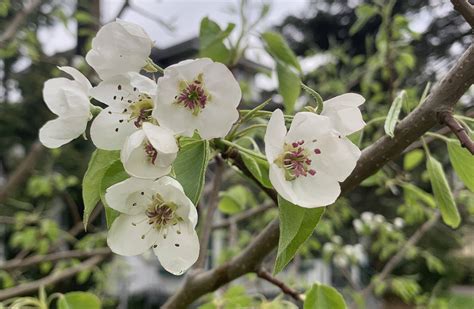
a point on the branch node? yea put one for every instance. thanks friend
(447, 118)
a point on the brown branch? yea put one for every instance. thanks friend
(398, 257)
(446, 117)
(211, 209)
(265, 275)
(465, 9)
(252, 212)
(444, 96)
(14, 264)
(53, 278)
(22, 171)
(16, 22)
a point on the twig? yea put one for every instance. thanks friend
(13, 264)
(124, 6)
(53, 278)
(22, 171)
(398, 257)
(211, 208)
(243, 216)
(19, 18)
(265, 275)
(465, 9)
(147, 14)
(447, 118)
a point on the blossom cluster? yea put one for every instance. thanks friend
(144, 119)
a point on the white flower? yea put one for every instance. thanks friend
(149, 153)
(119, 47)
(358, 225)
(69, 100)
(130, 101)
(341, 261)
(367, 216)
(308, 162)
(399, 223)
(154, 214)
(344, 113)
(328, 248)
(336, 239)
(379, 219)
(197, 95)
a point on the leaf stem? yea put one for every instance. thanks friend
(243, 149)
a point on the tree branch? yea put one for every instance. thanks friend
(447, 118)
(265, 275)
(53, 278)
(243, 216)
(442, 98)
(16, 22)
(465, 9)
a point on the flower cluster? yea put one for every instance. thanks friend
(143, 119)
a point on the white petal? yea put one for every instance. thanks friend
(221, 84)
(65, 97)
(315, 191)
(308, 126)
(216, 119)
(131, 235)
(116, 91)
(161, 139)
(142, 83)
(344, 112)
(78, 77)
(130, 196)
(178, 252)
(275, 135)
(60, 131)
(281, 185)
(188, 70)
(110, 129)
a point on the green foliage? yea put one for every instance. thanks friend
(279, 49)
(322, 296)
(288, 85)
(364, 13)
(413, 159)
(115, 173)
(211, 40)
(442, 192)
(394, 113)
(405, 287)
(190, 166)
(235, 199)
(463, 163)
(79, 300)
(296, 226)
(234, 297)
(259, 169)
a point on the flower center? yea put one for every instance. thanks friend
(295, 160)
(141, 110)
(150, 152)
(161, 214)
(193, 95)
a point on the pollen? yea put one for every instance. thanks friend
(295, 160)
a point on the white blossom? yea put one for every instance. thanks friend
(119, 47)
(130, 101)
(344, 113)
(399, 223)
(197, 95)
(308, 162)
(379, 219)
(341, 261)
(154, 214)
(367, 216)
(149, 152)
(69, 100)
(358, 225)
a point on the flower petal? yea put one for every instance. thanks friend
(308, 126)
(322, 189)
(142, 83)
(161, 139)
(110, 129)
(131, 235)
(281, 185)
(275, 135)
(78, 77)
(216, 119)
(116, 91)
(60, 131)
(189, 69)
(179, 250)
(130, 196)
(65, 97)
(344, 112)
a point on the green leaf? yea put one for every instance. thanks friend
(79, 300)
(190, 167)
(259, 169)
(114, 174)
(277, 46)
(234, 200)
(211, 40)
(413, 193)
(394, 113)
(463, 163)
(296, 226)
(413, 159)
(442, 192)
(288, 86)
(99, 163)
(364, 13)
(321, 296)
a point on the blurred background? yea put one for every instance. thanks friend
(375, 48)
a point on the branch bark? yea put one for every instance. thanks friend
(17, 21)
(447, 118)
(53, 278)
(265, 275)
(465, 9)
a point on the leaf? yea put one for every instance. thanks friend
(79, 300)
(234, 200)
(277, 46)
(114, 174)
(394, 113)
(288, 86)
(296, 226)
(442, 192)
(413, 193)
(364, 13)
(190, 167)
(99, 163)
(259, 169)
(413, 159)
(211, 40)
(321, 296)
(463, 163)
